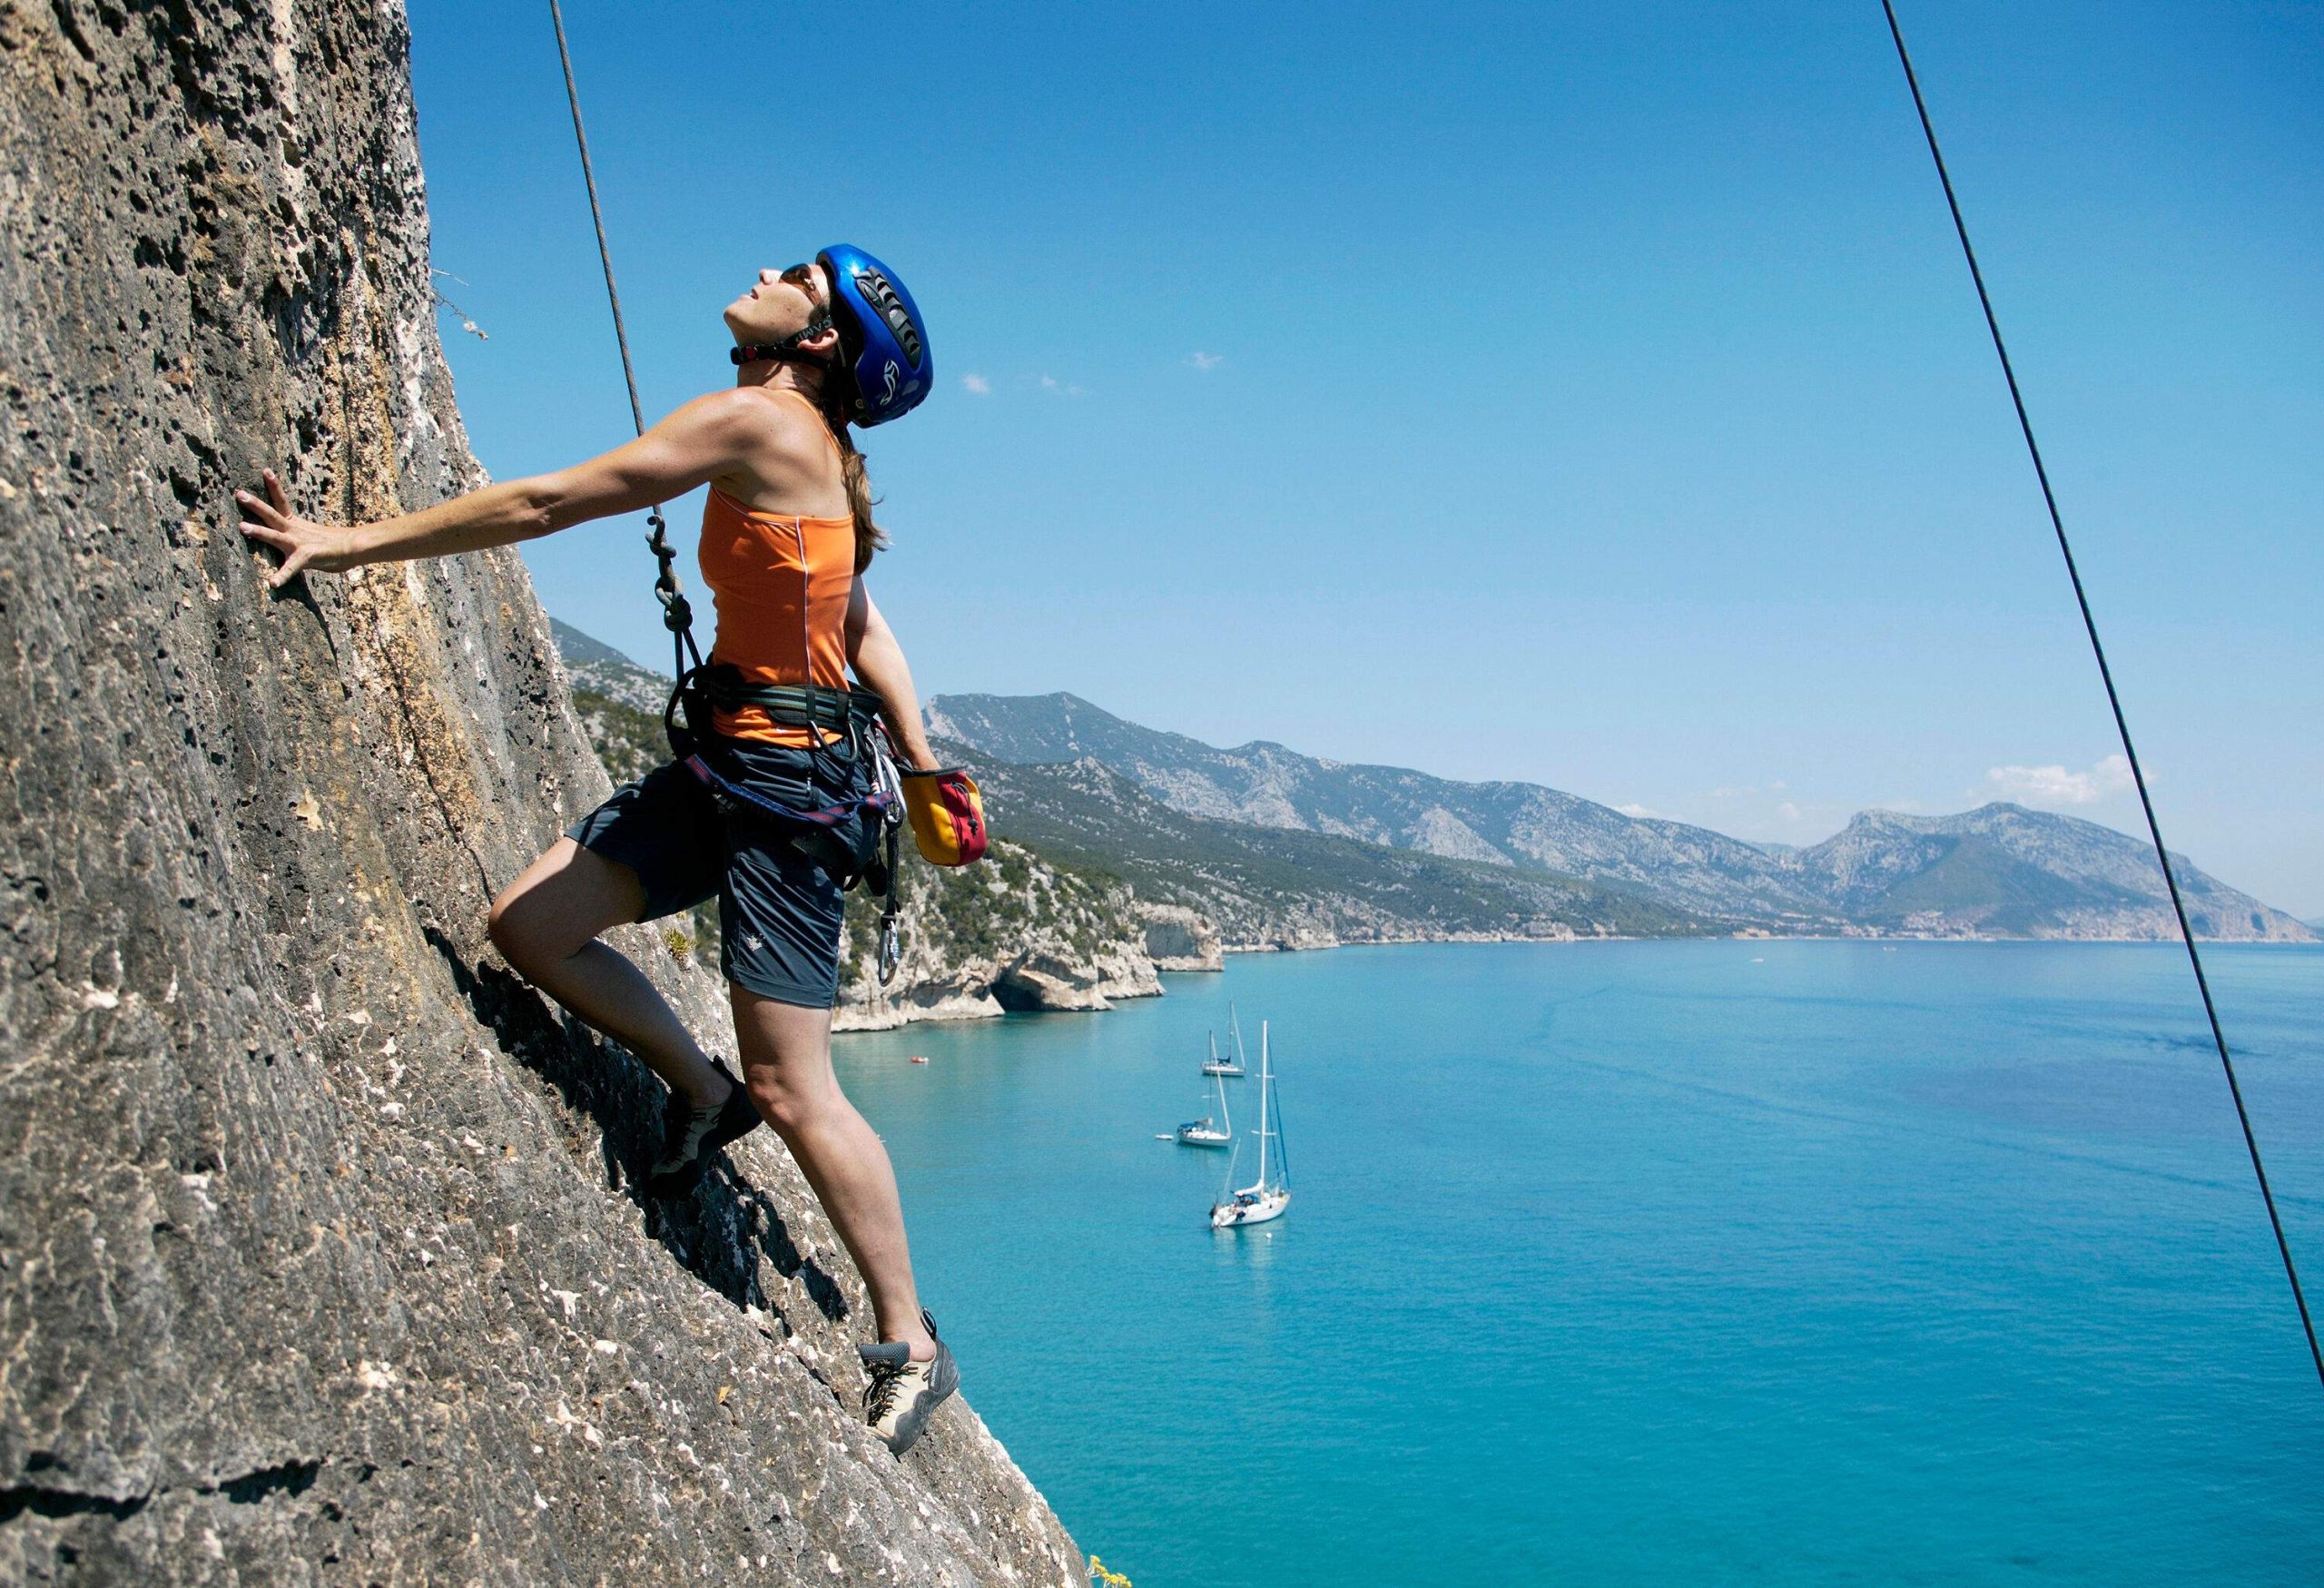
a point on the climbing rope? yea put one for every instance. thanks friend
(2113, 697)
(677, 615)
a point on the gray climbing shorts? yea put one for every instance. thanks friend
(779, 911)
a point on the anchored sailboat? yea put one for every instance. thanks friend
(1211, 1130)
(1262, 1199)
(1233, 1063)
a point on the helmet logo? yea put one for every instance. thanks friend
(889, 396)
(883, 298)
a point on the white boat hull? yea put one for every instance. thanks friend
(1262, 1207)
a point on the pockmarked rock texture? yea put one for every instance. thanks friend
(322, 1258)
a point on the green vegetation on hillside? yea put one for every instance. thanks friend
(629, 741)
(1999, 869)
(989, 912)
(1265, 883)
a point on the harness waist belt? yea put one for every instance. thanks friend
(801, 705)
(725, 790)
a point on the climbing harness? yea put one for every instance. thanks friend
(2106, 676)
(856, 839)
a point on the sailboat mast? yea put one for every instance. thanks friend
(1263, 1105)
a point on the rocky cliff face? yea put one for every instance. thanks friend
(322, 1258)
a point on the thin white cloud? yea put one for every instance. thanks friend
(977, 385)
(1636, 810)
(1202, 361)
(1788, 812)
(2054, 785)
(1062, 387)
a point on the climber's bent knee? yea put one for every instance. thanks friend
(561, 901)
(785, 1051)
(787, 1108)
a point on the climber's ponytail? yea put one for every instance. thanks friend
(868, 537)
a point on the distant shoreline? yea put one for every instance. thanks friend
(1887, 938)
(971, 1018)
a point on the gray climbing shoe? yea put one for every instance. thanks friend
(902, 1392)
(691, 1136)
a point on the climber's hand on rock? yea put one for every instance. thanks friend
(303, 544)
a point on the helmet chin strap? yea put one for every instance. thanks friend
(787, 351)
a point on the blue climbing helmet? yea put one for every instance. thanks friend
(882, 340)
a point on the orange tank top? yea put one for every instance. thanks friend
(781, 584)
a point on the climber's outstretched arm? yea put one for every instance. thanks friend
(708, 436)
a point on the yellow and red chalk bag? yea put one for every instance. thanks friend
(947, 816)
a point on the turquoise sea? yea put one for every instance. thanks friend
(1647, 1263)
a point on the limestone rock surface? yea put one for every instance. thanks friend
(323, 1258)
(1180, 938)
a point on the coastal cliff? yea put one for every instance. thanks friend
(324, 1258)
(1012, 932)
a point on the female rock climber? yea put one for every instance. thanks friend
(785, 539)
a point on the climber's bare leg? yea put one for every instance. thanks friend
(546, 925)
(786, 1052)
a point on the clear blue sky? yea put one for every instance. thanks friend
(1586, 394)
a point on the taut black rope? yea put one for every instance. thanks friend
(2113, 699)
(677, 617)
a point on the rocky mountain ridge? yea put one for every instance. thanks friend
(594, 667)
(1278, 888)
(2002, 871)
